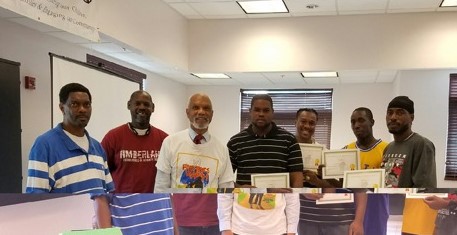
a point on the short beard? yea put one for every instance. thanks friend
(402, 130)
(200, 127)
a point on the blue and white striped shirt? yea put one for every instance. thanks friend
(140, 214)
(59, 165)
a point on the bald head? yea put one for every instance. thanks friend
(141, 107)
(198, 96)
(200, 112)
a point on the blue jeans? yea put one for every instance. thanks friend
(199, 230)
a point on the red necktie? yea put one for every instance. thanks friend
(198, 139)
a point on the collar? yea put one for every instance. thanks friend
(132, 129)
(192, 135)
(69, 144)
(272, 132)
(368, 149)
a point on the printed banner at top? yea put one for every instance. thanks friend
(74, 16)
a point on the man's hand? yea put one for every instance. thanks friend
(279, 190)
(312, 178)
(356, 228)
(436, 203)
(243, 186)
(319, 170)
(227, 232)
(313, 196)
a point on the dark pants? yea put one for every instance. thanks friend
(199, 230)
(305, 228)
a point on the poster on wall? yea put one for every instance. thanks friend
(77, 17)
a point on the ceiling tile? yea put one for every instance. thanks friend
(409, 10)
(386, 76)
(365, 5)
(222, 82)
(185, 10)
(217, 8)
(358, 79)
(250, 78)
(273, 15)
(361, 12)
(358, 73)
(413, 4)
(358, 76)
(321, 81)
(301, 6)
(284, 77)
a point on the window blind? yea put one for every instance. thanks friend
(451, 153)
(287, 102)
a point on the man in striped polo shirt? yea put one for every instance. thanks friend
(66, 159)
(264, 147)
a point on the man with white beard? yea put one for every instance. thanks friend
(193, 158)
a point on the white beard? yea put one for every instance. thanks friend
(200, 127)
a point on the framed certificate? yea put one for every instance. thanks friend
(370, 178)
(307, 190)
(332, 198)
(422, 193)
(105, 231)
(273, 180)
(183, 190)
(312, 156)
(338, 161)
(394, 190)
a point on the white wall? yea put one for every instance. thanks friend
(47, 217)
(31, 48)
(429, 89)
(348, 97)
(351, 42)
(152, 27)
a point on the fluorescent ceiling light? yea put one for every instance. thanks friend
(211, 75)
(287, 91)
(270, 6)
(256, 92)
(449, 3)
(319, 74)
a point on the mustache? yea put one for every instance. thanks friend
(204, 118)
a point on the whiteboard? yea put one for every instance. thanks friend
(110, 94)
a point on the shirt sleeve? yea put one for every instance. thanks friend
(224, 210)
(295, 160)
(232, 155)
(107, 144)
(424, 175)
(165, 156)
(162, 183)
(38, 178)
(292, 211)
(227, 178)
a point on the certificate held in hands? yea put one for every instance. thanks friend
(371, 178)
(273, 180)
(338, 161)
(423, 193)
(332, 198)
(312, 156)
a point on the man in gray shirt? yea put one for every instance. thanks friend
(410, 159)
